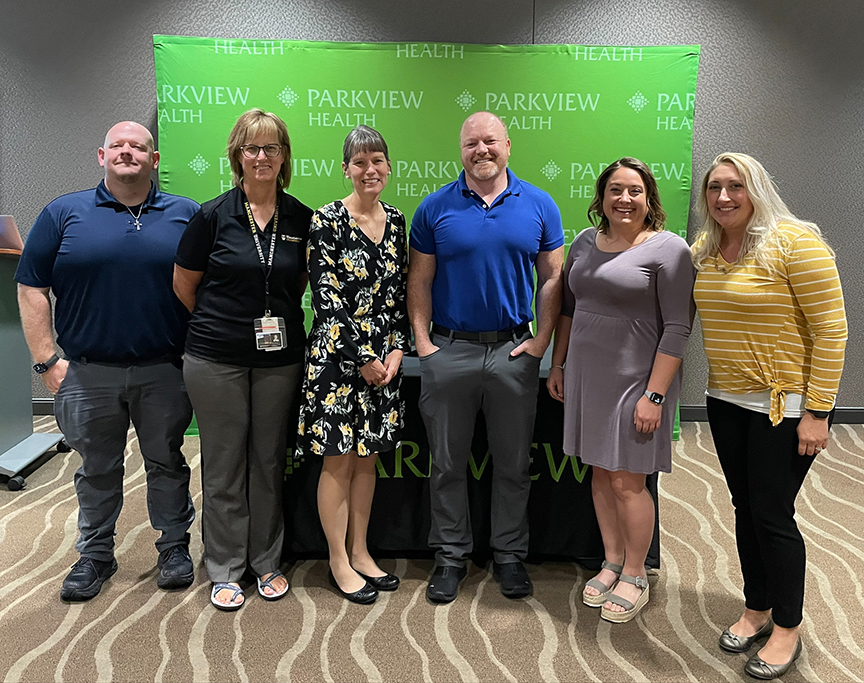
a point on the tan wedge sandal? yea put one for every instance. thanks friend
(630, 609)
(598, 600)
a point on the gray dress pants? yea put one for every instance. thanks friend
(93, 409)
(458, 381)
(242, 418)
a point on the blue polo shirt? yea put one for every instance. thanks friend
(112, 281)
(485, 256)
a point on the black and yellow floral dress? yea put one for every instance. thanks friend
(358, 300)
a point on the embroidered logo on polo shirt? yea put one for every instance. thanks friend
(291, 238)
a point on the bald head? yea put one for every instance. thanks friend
(485, 118)
(126, 128)
(128, 158)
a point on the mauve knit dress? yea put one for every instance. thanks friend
(625, 306)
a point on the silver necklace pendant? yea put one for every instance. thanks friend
(137, 222)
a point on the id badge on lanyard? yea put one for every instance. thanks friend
(270, 333)
(269, 330)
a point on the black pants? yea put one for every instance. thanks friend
(764, 474)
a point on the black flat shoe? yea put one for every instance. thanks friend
(388, 582)
(364, 596)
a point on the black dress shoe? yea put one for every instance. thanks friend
(388, 582)
(444, 584)
(86, 578)
(364, 596)
(515, 582)
(175, 568)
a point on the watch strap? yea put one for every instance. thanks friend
(40, 368)
(819, 414)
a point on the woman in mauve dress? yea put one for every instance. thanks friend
(616, 367)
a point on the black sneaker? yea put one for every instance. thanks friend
(444, 584)
(86, 578)
(175, 568)
(515, 582)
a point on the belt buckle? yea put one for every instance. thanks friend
(487, 337)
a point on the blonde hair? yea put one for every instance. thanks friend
(761, 236)
(247, 127)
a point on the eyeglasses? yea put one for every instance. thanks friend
(252, 151)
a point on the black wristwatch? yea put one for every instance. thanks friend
(40, 368)
(819, 414)
(654, 397)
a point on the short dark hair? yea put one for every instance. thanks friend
(363, 139)
(655, 219)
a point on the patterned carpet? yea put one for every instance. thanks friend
(135, 632)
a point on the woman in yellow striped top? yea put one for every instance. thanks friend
(774, 328)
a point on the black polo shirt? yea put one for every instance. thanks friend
(219, 242)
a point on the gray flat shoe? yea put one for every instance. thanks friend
(737, 644)
(758, 668)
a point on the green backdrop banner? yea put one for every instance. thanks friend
(570, 110)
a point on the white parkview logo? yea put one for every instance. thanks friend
(287, 96)
(199, 164)
(551, 170)
(638, 101)
(466, 100)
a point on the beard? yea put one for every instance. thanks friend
(486, 171)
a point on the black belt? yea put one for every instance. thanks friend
(130, 363)
(484, 337)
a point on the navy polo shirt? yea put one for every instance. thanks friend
(112, 281)
(485, 255)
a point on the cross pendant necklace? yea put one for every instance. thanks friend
(137, 222)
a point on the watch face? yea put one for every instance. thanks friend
(40, 368)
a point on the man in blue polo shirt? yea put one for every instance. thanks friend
(107, 254)
(474, 246)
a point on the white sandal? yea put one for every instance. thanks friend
(231, 605)
(266, 583)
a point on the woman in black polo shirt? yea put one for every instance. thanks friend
(241, 270)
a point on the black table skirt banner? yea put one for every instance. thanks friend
(561, 516)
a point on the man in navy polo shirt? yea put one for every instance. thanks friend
(474, 246)
(107, 254)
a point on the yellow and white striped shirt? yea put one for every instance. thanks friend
(784, 331)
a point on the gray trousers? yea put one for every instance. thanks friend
(243, 418)
(457, 382)
(93, 409)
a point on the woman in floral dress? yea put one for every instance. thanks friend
(351, 406)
